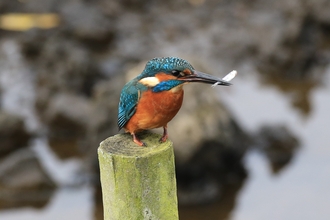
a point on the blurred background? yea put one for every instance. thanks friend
(256, 150)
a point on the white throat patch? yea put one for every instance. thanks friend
(150, 81)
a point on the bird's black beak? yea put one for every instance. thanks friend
(197, 76)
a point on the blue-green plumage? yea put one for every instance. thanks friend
(166, 85)
(129, 96)
(164, 65)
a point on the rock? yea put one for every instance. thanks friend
(8, 6)
(68, 127)
(278, 144)
(65, 67)
(206, 176)
(300, 56)
(103, 119)
(23, 182)
(13, 134)
(78, 133)
(319, 9)
(80, 18)
(106, 98)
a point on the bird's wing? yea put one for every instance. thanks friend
(129, 98)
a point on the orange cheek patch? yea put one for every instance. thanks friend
(187, 72)
(163, 76)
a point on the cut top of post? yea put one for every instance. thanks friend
(123, 145)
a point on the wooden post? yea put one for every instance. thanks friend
(138, 182)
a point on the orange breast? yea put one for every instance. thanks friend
(155, 110)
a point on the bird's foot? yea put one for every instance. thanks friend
(163, 139)
(138, 141)
(165, 135)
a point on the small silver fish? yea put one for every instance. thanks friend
(227, 78)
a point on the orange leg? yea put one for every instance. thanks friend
(137, 140)
(165, 135)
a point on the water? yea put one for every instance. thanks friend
(300, 191)
(66, 203)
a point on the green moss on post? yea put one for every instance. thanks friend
(138, 182)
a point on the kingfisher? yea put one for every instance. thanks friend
(154, 97)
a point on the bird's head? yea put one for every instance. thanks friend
(169, 72)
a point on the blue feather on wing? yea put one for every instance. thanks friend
(128, 101)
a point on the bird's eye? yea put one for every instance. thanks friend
(176, 73)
